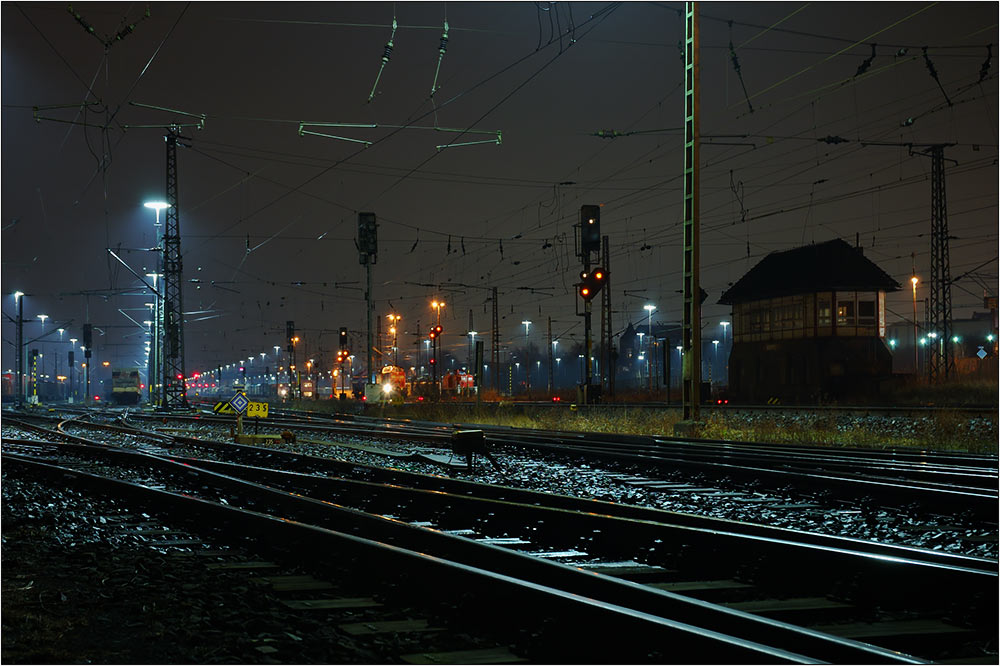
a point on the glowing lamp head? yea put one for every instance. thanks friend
(157, 205)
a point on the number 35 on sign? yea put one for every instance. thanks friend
(257, 410)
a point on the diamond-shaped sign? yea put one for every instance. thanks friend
(239, 402)
(981, 353)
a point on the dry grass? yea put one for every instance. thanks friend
(958, 392)
(945, 430)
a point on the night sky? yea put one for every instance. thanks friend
(268, 217)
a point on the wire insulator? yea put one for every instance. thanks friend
(444, 44)
(387, 54)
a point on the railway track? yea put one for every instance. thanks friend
(943, 482)
(687, 489)
(863, 593)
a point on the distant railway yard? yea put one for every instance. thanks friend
(353, 538)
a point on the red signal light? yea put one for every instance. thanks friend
(179, 376)
(97, 398)
(556, 398)
(584, 291)
(420, 398)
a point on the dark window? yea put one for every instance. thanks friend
(866, 313)
(823, 310)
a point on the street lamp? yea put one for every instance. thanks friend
(724, 325)
(157, 206)
(527, 367)
(649, 307)
(437, 305)
(393, 322)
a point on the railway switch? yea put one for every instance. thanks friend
(469, 443)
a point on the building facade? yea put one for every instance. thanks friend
(809, 326)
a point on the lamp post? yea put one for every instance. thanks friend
(393, 328)
(155, 361)
(913, 281)
(649, 307)
(527, 359)
(19, 391)
(641, 336)
(43, 317)
(158, 353)
(715, 343)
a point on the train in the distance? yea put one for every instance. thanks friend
(126, 386)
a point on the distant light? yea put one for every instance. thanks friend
(989, 337)
(914, 280)
(955, 338)
(106, 363)
(387, 388)
(923, 342)
(892, 343)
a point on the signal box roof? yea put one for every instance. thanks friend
(830, 266)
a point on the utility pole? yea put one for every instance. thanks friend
(607, 341)
(691, 332)
(495, 352)
(367, 256)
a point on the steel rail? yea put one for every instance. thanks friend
(639, 615)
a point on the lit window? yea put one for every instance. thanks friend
(845, 313)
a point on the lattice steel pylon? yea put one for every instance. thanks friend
(942, 361)
(174, 392)
(691, 331)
